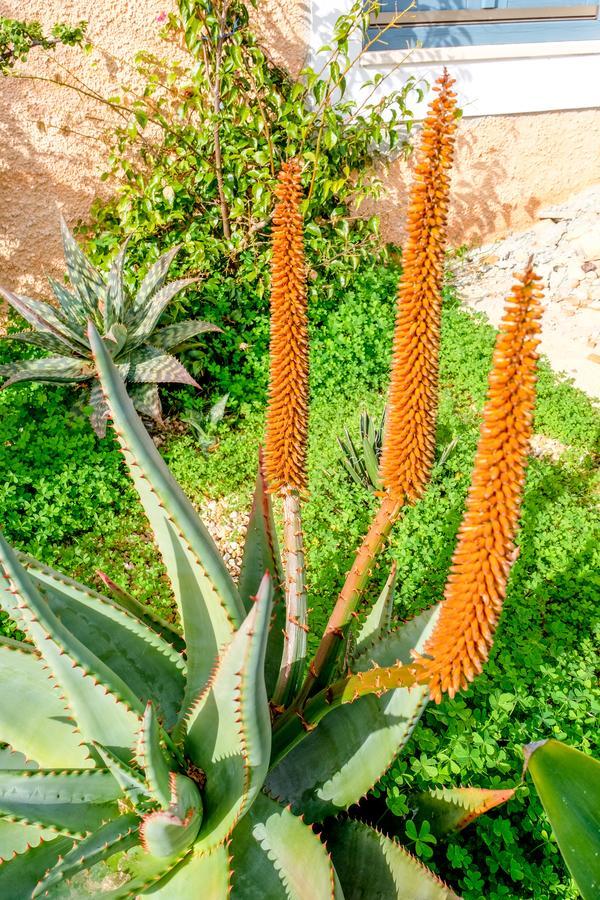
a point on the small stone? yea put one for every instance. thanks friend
(588, 266)
(490, 260)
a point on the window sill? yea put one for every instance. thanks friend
(382, 59)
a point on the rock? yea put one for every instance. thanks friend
(490, 260)
(588, 266)
(548, 233)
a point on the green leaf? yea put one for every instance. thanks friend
(85, 279)
(60, 369)
(15, 837)
(206, 596)
(146, 399)
(148, 664)
(370, 866)
(99, 413)
(151, 365)
(131, 782)
(172, 335)
(169, 832)
(114, 309)
(154, 280)
(229, 727)
(452, 809)
(335, 765)
(151, 759)
(43, 339)
(261, 554)
(568, 783)
(276, 855)
(380, 616)
(210, 870)
(19, 876)
(118, 835)
(71, 308)
(40, 725)
(73, 800)
(148, 315)
(102, 703)
(46, 319)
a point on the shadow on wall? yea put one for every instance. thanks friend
(282, 27)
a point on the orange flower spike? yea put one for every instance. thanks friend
(287, 414)
(476, 587)
(409, 442)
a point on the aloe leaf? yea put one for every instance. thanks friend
(115, 338)
(148, 664)
(144, 613)
(148, 315)
(371, 866)
(371, 463)
(15, 837)
(43, 339)
(103, 705)
(568, 784)
(19, 876)
(151, 759)
(114, 309)
(85, 279)
(196, 875)
(207, 598)
(229, 727)
(152, 365)
(116, 836)
(39, 725)
(71, 308)
(131, 782)
(452, 809)
(99, 413)
(261, 554)
(379, 618)
(154, 279)
(146, 400)
(169, 832)
(46, 319)
(276, 855)
(335, 764)
(172, 335)
(73, 800)
(58, 369)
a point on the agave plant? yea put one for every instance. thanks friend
(214, 761)
(128, 323)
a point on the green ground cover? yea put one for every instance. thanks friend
(64, 498)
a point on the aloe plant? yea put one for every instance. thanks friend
(127, 321)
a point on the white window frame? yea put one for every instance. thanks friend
(491, 80)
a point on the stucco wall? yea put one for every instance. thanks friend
(50, 154)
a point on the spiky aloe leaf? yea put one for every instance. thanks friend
(147, 316)
(43, 339)
(335, 764)
(370, 866)
(568, 783)
(276, 855)
(114, 307)
(207, 598)
(131, 782)
(87, 282)
(146, 399)
(452, 809)
(58, 369)
(46, 319)
(261, 554)
(151, 759)
(19, 876)
(118, 835)
(379, 618)
(71, 308)
(152, 365)
(144, 613)
(105, 708)
(15, 837)
(99, 413)
(149, 665)
(182, 879)
(229, 727)
(153, 281)
(39, 725)
(169, 832)
(172, 335)
(73, 800)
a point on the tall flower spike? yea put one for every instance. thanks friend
(476, 586)
(287, 415)
(409, 440)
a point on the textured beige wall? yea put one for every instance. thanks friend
(507, 168)
(51, 157)
(50, 152)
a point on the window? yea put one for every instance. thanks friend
(456, 23)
